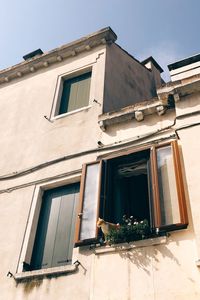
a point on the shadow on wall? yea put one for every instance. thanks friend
(142, 257)
(29, 285)
(148, 122)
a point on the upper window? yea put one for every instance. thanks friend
(145, 185)
(75, 93)
(54, 238)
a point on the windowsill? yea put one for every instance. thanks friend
(50, 272)
(71, 112)
(131, 245)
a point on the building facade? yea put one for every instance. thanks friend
(89, 132)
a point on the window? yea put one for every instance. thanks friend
(146, 184)
(75, 93)
(54, 239)
(127, 187)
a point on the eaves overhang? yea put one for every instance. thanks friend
(180, 89)
(101, 37)
(184, 62)
(136, 112)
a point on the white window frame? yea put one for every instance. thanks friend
(30, 231)
(59, 89)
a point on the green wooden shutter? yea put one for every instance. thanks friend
(55, 231)
(75, 93)
(44, 231)
(63, 245)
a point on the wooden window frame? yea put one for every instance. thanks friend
(79, 242)
(155, 205)
(179, 187)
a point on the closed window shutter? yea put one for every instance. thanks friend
(46, 231)
(75, 93)
(65, 227)
(55, 229)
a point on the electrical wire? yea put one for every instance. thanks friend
(39, 181)
(78, 154)
(101, 149)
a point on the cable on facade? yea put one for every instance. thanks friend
(71, 156)
(103, 148)
(39, 181)
(76, 172)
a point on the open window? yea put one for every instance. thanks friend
(146, 184)
(127, 188)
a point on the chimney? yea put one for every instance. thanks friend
(33, 54)
(156, 70)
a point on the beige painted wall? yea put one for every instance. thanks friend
(25, 102)
(126, 80)
(165, 271)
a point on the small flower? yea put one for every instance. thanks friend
(129, 224)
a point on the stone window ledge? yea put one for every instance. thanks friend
(131, 246)
(50, 272)
(57, 117)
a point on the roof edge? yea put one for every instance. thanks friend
(184, 62)
(86, 43)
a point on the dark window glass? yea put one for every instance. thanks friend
(127, 188)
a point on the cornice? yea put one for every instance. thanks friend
(103, 36)
(179, 89)
(137, 111)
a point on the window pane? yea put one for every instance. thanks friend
(167, 187)
(127, 188)
(90, 204)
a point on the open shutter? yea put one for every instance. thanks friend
(169, 200)
(86, 228)
(180, 185)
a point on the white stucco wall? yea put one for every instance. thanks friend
(163, 271)
(25, 102)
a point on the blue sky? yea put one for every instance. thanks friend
(167, 30)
